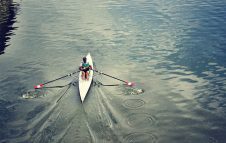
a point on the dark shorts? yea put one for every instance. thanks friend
(85, 70)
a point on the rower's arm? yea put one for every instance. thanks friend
(80, 67)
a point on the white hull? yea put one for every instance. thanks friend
(84, 85)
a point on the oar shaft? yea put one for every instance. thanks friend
(114, 77)
(60, 78)
(111, 76)
(55, 80)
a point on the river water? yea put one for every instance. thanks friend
(174, 50)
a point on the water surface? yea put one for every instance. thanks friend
(174, 50)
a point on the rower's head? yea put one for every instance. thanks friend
(84, 59)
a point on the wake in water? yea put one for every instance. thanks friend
(110, 121)
(71, 121)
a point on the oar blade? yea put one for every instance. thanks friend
(130, 84)
(38, 86)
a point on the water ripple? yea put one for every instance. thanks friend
(141, 137)
(141, 120)
(133, 103)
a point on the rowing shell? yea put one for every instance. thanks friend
(84, 85)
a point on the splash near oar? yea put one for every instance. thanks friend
(133, 91)
(33, 93)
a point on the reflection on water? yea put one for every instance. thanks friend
(8, 11)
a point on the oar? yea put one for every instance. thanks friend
(42, 84)
(126, 82)
(100, 83)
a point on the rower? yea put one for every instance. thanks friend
(85, 67)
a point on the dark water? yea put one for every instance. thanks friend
(174, 50)
(7, 18)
